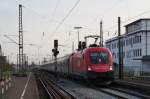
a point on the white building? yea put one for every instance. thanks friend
(136, 47)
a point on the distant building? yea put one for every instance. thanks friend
(136, 47)
(2, 62)
(2, 58)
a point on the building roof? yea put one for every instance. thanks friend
(137, 21)
(114, 38)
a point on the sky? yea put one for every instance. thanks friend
(42, 23)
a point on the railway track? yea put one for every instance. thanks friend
(118, 92)
(121, 93)
(52, 90)
(130, 92)
(133, 89)
(54, 95)
(115, 95)
(142, 88)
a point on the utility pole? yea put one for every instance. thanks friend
(120, 49)
(101, 34)
(72, 47)
(0, 63)
(78, 32)
(0, 50)
(20, 38)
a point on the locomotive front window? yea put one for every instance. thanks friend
(99, 58)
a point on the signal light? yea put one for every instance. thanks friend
(55, 52)
(83, 45)
(55, 43)
(80, 45)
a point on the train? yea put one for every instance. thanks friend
(90, 64)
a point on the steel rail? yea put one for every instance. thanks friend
(55, 93)
(53, 90)
(130, 93)
(46, 89)
(58, 86)
(58, 90)
(101, 90)
(109, 93)
(133, 87)
(61, 89)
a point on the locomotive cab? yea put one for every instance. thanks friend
(99, 62)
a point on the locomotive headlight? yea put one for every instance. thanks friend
(89, 68)
(110, 67)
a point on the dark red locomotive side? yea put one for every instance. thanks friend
(94, 63)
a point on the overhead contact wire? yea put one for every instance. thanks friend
(58, 26)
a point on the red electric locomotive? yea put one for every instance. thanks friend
(93, 64)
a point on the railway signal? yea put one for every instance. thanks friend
(83, 45)
(55, 44)
(55, 53)
(55, 49)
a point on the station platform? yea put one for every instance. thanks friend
(22, 88)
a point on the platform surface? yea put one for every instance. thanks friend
(23, 88)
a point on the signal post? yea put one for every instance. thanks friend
(55, 53)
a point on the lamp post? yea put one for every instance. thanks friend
(78, 27)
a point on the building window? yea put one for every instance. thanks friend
(123, 42)
(113, 55)
(117, 55)
(112, 46)
(118, 45)
(140, 52)
(134, 40)
(137, 52)
(134, 53)
(140, 38)
(108, 46)
(137, 39)
(115, 45)
(130, 41)
(123, 54)
(126, 42)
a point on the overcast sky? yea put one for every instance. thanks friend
(45, 15)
